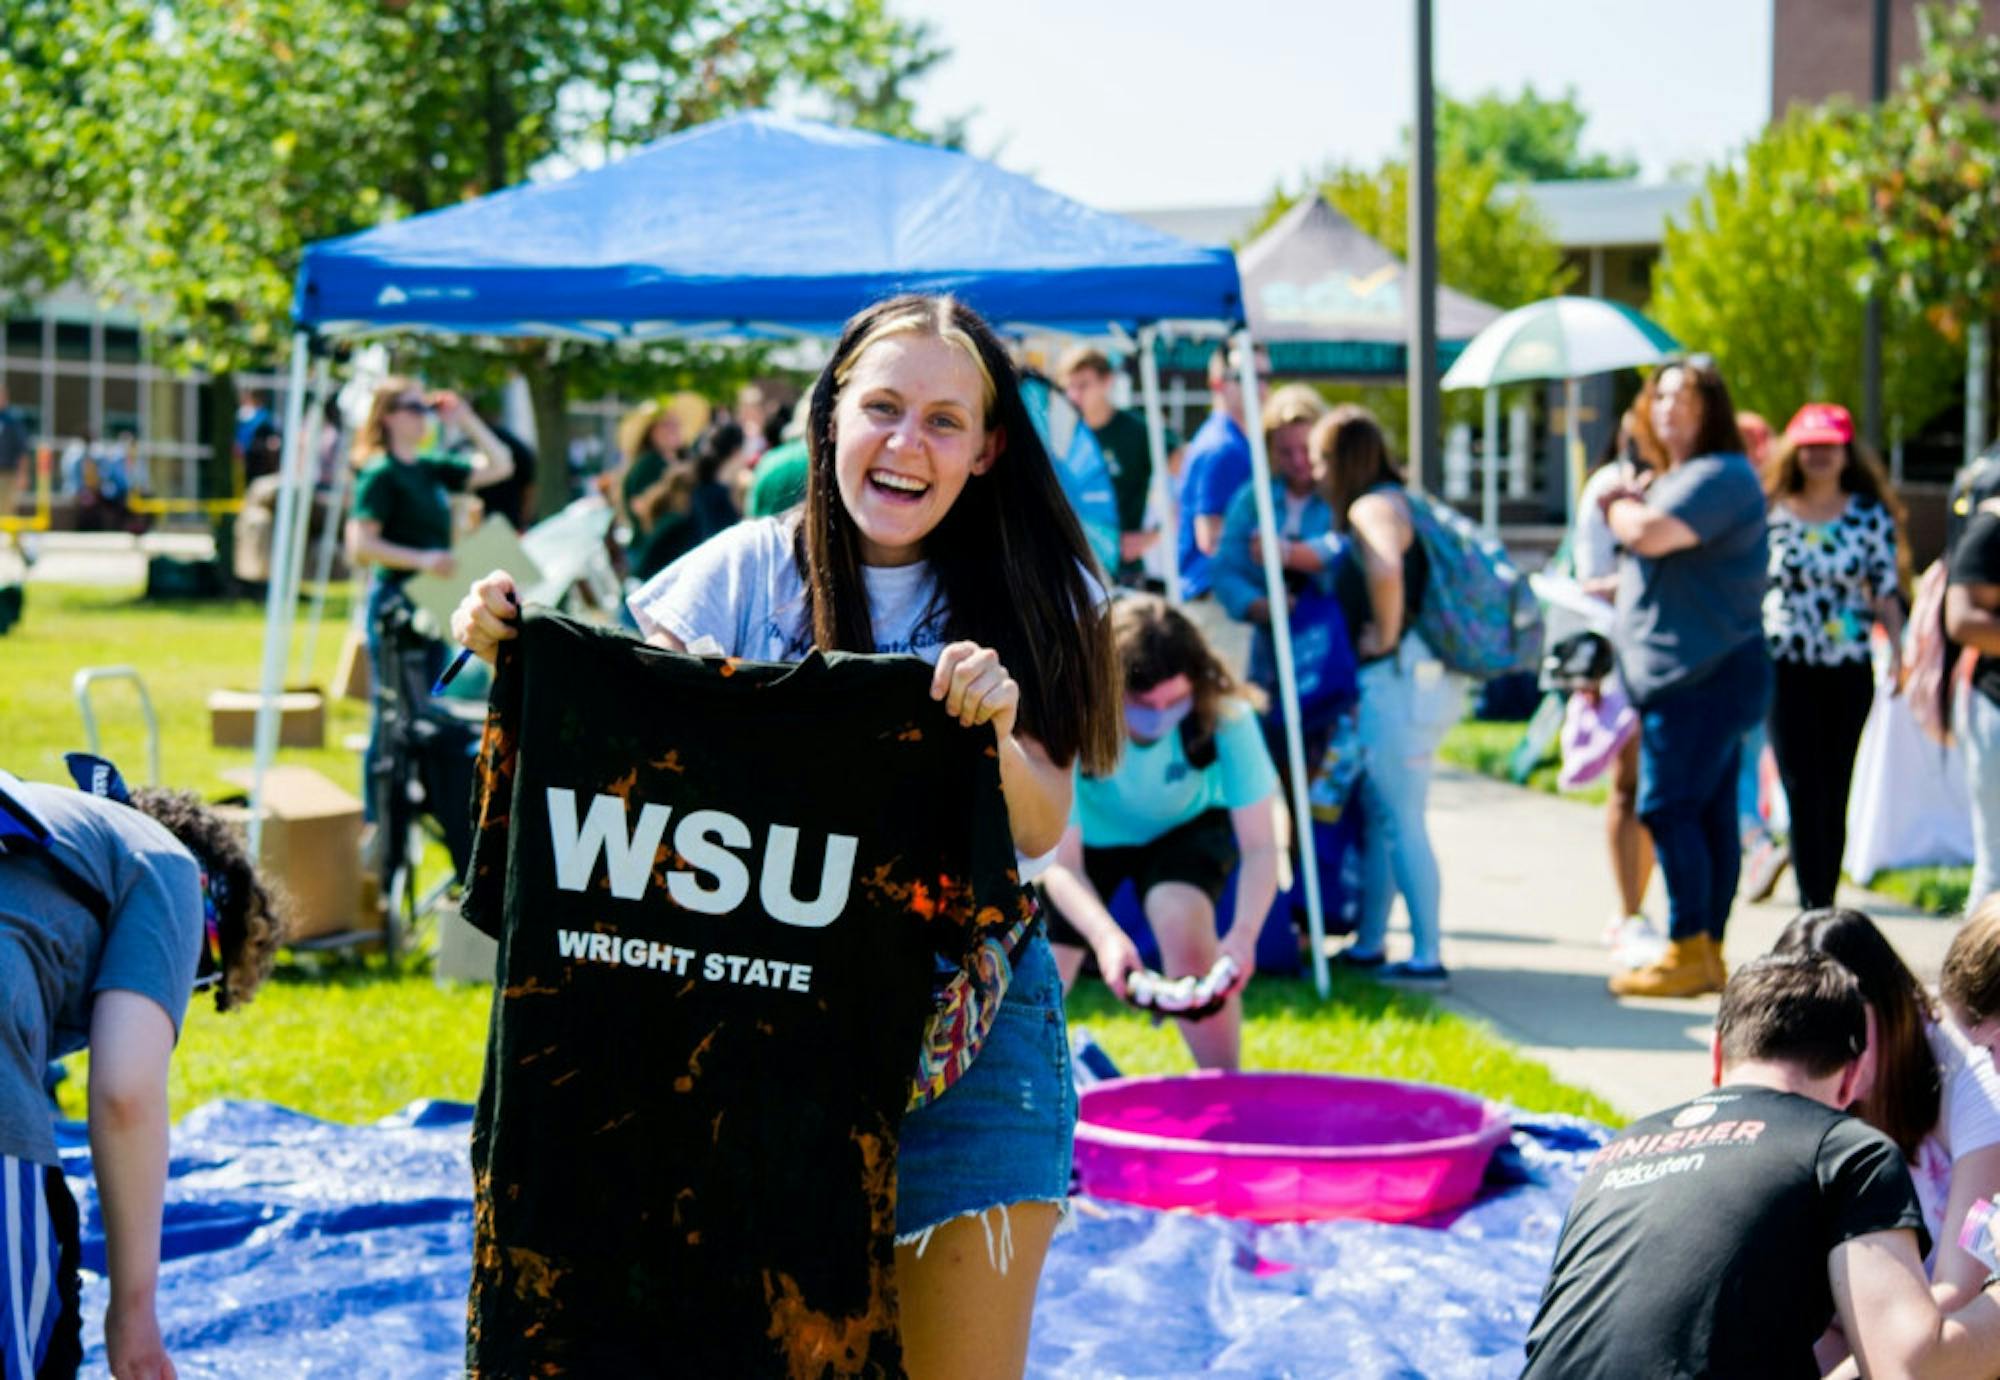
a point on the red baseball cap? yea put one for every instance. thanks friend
(1820, 424)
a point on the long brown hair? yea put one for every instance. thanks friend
(1862, 474)
(1903, 1103)
(1157, 642)
(1013, 570)
(372, 438)
(1718, 433)
(1350, 443)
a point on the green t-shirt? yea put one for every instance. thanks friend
(642, 474)
(1130, 460)
(781, 479)
(412, 500)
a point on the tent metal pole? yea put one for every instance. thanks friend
(1572, 468)
(1288, 683)
(302, 511)
(1156, 443)
(336, 521)
(277, 615)
(1489, 465)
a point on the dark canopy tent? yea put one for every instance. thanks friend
(758, 226)
(1328, 301)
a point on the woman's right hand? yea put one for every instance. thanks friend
(485, 617)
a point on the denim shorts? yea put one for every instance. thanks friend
(1001, 1134)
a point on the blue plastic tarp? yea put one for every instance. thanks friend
(759, 224)
(302, 1247)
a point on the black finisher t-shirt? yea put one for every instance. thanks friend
(720, 890)
(1697, 1244)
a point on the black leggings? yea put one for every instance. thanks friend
(1817, 715)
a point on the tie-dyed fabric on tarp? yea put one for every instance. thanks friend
(303, 1247)
(722, 892)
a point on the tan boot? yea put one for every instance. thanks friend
(1682, 971)
(1718, 975)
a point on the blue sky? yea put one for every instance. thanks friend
(1146, 103)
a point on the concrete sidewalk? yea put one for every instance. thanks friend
(1527, 890)
(97, 558)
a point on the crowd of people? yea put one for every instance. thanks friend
(1748, 575)
(908, 505)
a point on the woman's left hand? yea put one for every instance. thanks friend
(448, 404)
(976, 688)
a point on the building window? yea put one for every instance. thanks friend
(73, 340)
(121, 345)
(24, 336)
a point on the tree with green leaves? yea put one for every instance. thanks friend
(177, 156)
(1931, 170)
(1933, 161)
(1761, 274)
(1525, 138)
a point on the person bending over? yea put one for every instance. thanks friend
(111, 914)
(1189, 803)
(1723, 1236)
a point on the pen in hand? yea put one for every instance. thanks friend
(464, 655)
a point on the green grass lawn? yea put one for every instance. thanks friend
(354, 1039)
(183, 650)
(1488, 748)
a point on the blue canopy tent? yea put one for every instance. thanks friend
(760, 226)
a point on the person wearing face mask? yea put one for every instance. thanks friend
(1834, 573)
(1188, 804)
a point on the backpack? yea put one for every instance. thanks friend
(1479, 615)
(25, 841)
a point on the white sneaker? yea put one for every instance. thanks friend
(1640, 942)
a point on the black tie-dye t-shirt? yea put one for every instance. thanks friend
(721, 890)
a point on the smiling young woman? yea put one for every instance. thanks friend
(934, 525)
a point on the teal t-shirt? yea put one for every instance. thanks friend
(412, 500)
(1155, 789)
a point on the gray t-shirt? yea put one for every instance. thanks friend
(739, 594)
(55, 958)
(1680, 615)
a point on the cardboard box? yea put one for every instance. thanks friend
(351, 678)
(311, 847)
(232, 717)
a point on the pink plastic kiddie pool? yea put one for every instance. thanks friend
(1285, 1147)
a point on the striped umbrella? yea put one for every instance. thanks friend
(1560, 338)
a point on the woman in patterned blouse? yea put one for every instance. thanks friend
(1835, 571)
